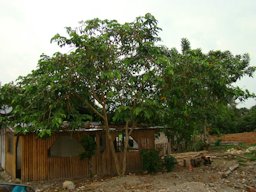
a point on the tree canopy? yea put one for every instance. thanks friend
(200, 85)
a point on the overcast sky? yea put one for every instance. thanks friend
(28, 25)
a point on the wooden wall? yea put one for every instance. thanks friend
(10, 158)
(37, 165)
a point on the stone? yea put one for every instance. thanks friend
(250, 189)
(69, 185)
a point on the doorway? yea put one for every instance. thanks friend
(18, 158)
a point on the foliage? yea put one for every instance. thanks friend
(7, 94)
(197, 145)
(251, 155)
(169, 162)
(151, 160)
(200, 84)
(110, 73)
(233, 120)
(217, 142)
(117, 67)
(89, 144)
(247, 120)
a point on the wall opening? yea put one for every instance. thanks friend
(65, 146)
(18, 158)
(119, 143)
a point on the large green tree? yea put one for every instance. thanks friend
(111, 71)
(200, 85)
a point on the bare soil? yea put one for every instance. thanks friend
(200, 179)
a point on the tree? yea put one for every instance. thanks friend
(111, 71)
(7, 93)
(246, 119)
(200, 84)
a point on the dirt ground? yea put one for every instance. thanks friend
(200, 179)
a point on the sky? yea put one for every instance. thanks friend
(26, 27)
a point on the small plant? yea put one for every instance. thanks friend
(198, 145)
(242, 146)
(151, 160)
(169, 162)
(251, 155)
(217, 143)
(89, 144)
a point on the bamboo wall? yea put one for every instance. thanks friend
(37, 165)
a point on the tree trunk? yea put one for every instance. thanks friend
(112, 148)
(119, 165)
(127, 135)
(205, 135)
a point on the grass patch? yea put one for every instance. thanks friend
(241, 160)
(251, 156)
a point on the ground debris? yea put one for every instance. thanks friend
(230, 170)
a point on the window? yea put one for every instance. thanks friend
(119, 143)
(66, 146)
(132, 144)
(10, 143)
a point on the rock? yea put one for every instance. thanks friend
(69, 185)
(17, 181)
(250, 149)
(250, 189)
(211, 185)
(234, 151)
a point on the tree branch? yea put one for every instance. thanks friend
(94, 110)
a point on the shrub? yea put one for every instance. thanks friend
(151, 160)
(251, 155)
(198, 145)
(169, 162)
(217, 143)
(89, 144)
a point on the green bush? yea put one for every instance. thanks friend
(217, 143)
(251, 155)
(151, 160)
(198, 145)
(169, 162)
(89, 144)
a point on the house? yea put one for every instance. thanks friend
(30, 158)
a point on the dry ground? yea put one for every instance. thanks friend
(200, 179)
